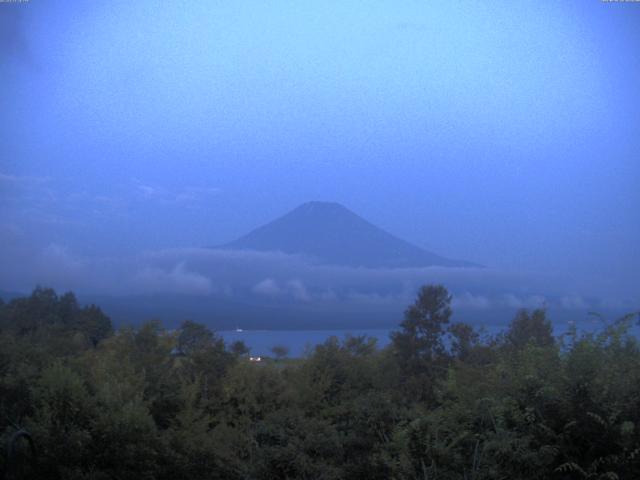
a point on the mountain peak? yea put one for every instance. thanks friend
(317, 206)
(321, 204)
(332, 234)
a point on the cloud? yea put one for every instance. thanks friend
(55, 265)
(294, 289)
(573, 302)
(8, 178)
(192, 194)
(25, 198)
(618, 304)
(298, 291)
(17, 180)
(61, 257)
(267, 287)
(278, 277)
(148, 191)
(511, 300)
(177, 280)
(374, 298)
(277, 274)
(471, 301)
(187, 195)
(328, 295)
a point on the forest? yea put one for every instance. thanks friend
(82, 400)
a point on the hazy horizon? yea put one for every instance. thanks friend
(137, 134)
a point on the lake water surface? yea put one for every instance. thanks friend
(261, 341)
(298, 341)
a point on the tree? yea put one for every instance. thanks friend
(68, 308)
(239, 348)
(423, 325)
(206, 359)
(26, 315)
(360, 345)
(534, 328)
(463, 340)
(94, 324)
(63, 413)
(418, 347)
(280, 351)
(194, 337)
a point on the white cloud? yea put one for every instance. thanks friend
(55, 266)
(176, 280)
(185, 195)
(511, 300)
(297, 289)
(148, 191)
(267, 287)
(377, 298)
(469, 300)
(21, 179)
(328, 295)
(61, 257)
(192, 194)
(294, 289)
(8, 178)
(573, 302)
(275, 276)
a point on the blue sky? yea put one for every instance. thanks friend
(504, 133)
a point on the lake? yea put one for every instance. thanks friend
(261, 341)
(297, 341)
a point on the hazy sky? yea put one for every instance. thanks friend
(505, 133)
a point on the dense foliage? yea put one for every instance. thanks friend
(439, 403)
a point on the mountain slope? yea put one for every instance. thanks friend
(332, 234)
